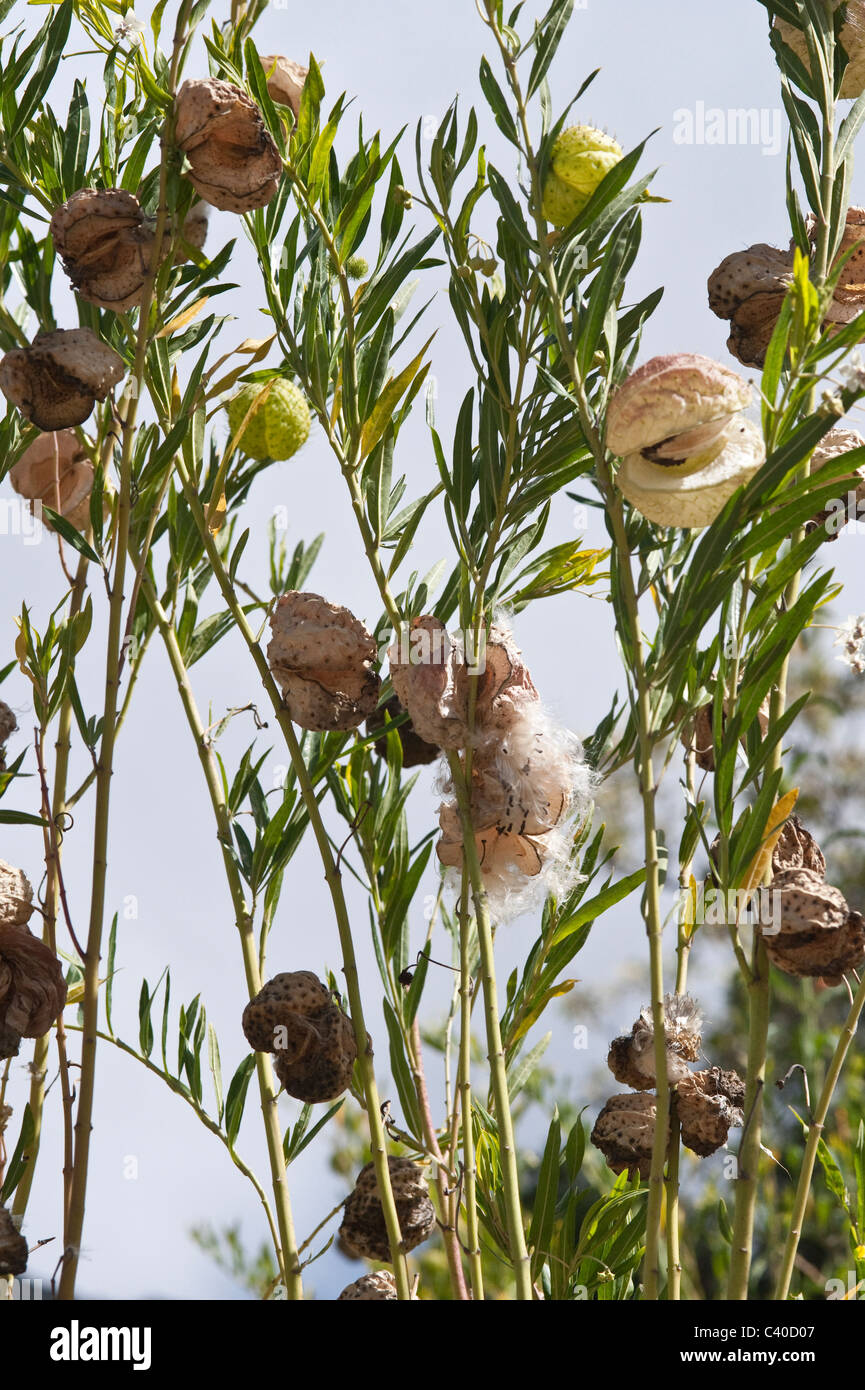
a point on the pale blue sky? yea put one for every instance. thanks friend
(403, 62)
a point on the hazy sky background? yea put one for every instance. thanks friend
(403, 62)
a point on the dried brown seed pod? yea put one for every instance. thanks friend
(106, 243)
(363, 1229)
(234, 162)
(321, 656)
(377, 1287)
(8, 722)
(57, 380)
(429, 676)
(16, 896)
(796, 848)
(624, 1132)
(194, 230)
(415, 750)
(748, 288)
(297, 1018)
(845, 508)
(819, 936)
(631, 1058)
(808, 903)
(55, 470)
(698, 734)
(32, 988)
(709, 1103)
(13, 1246)
(285, 79)
(851, 37)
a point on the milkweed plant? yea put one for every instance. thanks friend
(135, 431)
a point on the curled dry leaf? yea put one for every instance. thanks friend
(321, 655)
(363, 1230)
(285, 79)
(106, 243)
(296, 1017)
(57, 380)
(234, 162)
(55, 470)
(32, 988)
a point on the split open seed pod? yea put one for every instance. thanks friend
(106, 243)
(296, 1017)
(16, 896)
(624, 1132)
(631, 1058)
(363, 1230)
(285, 79)
(416, 752)
(32, 988)
(851, 37)
(13, 1246)
(234, 162)
(430, 679)
(685, 446)
(709, 1104)
(56, 471)
(796, 848)
(321, 655)
(57, 380)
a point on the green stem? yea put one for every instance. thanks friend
(39, 1064)
(815, 1133)
(642, 702)
(286, 1243)
(476, 1269)
(90, 1003)
(495, 1051)
(332, 877)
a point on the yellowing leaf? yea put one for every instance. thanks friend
(216, 514)
(759, 866)
(382, 411)
(564, 987)
(181, 320)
